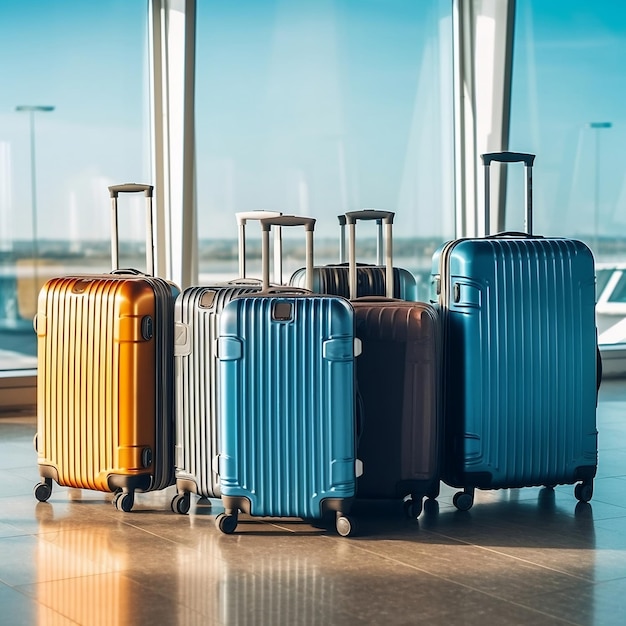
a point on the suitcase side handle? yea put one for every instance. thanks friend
(382, 217)
(242, 219)
(287, 221)
(114, 191)
(510, 157)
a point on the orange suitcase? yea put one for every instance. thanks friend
(105, 378)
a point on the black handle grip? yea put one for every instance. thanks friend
(369, 214)
(115, 190)
(508, 157)
(288, 220)
(512, 233)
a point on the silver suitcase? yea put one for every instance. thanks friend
(196, 322)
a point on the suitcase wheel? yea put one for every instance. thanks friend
(226, 523)
(181, 503)
(43, 490)
(345, 525)
(463, 501)
(583, 491)
(413, 507)
(123, 501)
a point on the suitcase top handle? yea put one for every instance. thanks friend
(508, 157)
(243, 217)
(370, 214)
(115, 190)
(287, 220)
(352, 217)
(381, 217)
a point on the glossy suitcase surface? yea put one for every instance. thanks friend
(520, 353)
(398, 377)
(371, 279)
(105, 372)
(197, 315)
(287, 406)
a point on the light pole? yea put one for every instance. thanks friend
(596, 127)
(31, 109)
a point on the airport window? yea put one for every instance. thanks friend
(567, 99)
(318, 108)
(74, 118)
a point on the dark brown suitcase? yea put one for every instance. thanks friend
(398, 376)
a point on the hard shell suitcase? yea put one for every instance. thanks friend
(105, 376)
(398, 377)
(196, 317)
(287, 401)
(371, 279)
(518, 314)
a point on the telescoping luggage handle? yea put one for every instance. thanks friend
(511, 157)
(242, 219)
(287, 220)
(386, 217)
(342, 240)
(114, 191)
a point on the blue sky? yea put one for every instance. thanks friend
(313, 107)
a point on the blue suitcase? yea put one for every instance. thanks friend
(518, 315)
(371, 279)
(287, 401)
(196, 321)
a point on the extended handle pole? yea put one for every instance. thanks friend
(381, 217)
(282, 221)
(114, 191)
(510, 157)
(242, 218)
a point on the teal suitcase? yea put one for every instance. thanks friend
(287, 401)
(520, 349)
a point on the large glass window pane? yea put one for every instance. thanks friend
(321, 107)
(569, 85)
(73, 120)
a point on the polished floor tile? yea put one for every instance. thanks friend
(520, 556)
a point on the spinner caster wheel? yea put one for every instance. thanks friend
(226, 523)
(123, 501)
(181, 503)
(583, 492)
(463, 501)
(43, 490)
(345, 526)
(413, 507)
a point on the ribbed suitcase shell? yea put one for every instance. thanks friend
(197, 314)
(398, 376)
(333, 280)
(287, 405)
(520, 349)
(105, 372)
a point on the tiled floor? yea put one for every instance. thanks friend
(529, 556)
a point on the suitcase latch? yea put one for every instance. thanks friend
(146, 457)
(457, 292)
(147, 328)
